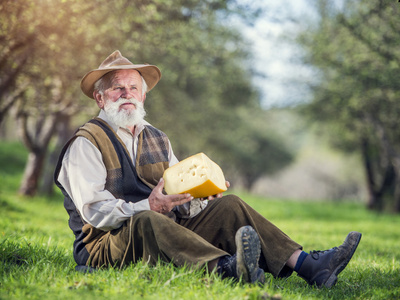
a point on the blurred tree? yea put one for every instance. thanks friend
(51, 35)
(248, 146)
(206, 100)
(356, 94)
(200, 102)
(14, 51)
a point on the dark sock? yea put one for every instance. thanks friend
(300, 260)
(227, 266)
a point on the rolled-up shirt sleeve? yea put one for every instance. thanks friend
(83, 176)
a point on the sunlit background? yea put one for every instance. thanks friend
(293, 99)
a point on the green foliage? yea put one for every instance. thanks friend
(36, 254)
(356, 91)
(206, 83)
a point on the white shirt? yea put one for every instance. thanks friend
(83, 176)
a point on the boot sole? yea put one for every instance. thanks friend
(331, 281)
(248, 253)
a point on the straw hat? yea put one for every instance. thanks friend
(116, 61)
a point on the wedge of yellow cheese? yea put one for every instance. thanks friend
(197, 175)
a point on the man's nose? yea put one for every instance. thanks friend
(127, 93)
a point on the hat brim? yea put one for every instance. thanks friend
(150, 73)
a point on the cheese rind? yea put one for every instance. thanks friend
(197, 175)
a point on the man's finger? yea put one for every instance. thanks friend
(180, 197)
(181, 201)
(160, 185)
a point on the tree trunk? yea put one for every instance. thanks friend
(33, 170)
(37, 141)
(373, 200)
(396, 205)
(392, 152)
(47, 186)
(396, 165)
(377, 190)
(63, 132)
(248, 181)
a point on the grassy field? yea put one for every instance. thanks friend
(36, 252)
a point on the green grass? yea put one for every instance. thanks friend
(36, 252)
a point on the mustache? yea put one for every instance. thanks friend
(133, 101)
(121, 101)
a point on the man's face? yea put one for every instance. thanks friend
(125, 84)
(123, 100)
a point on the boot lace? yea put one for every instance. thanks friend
(316, 253)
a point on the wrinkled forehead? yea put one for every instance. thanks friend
(125, 76)
(121, 76)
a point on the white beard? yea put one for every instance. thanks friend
(124, 118)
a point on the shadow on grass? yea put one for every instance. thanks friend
(7, 207)
(20, 253)
(365, 283)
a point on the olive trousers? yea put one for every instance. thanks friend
(149, 236)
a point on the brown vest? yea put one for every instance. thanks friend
(152, 153)
(124, 180)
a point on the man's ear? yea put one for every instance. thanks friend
(99, 99)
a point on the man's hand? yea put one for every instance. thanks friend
(217, 195)
(165, 203)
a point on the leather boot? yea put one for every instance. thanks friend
(322, 267)
(244, 264)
